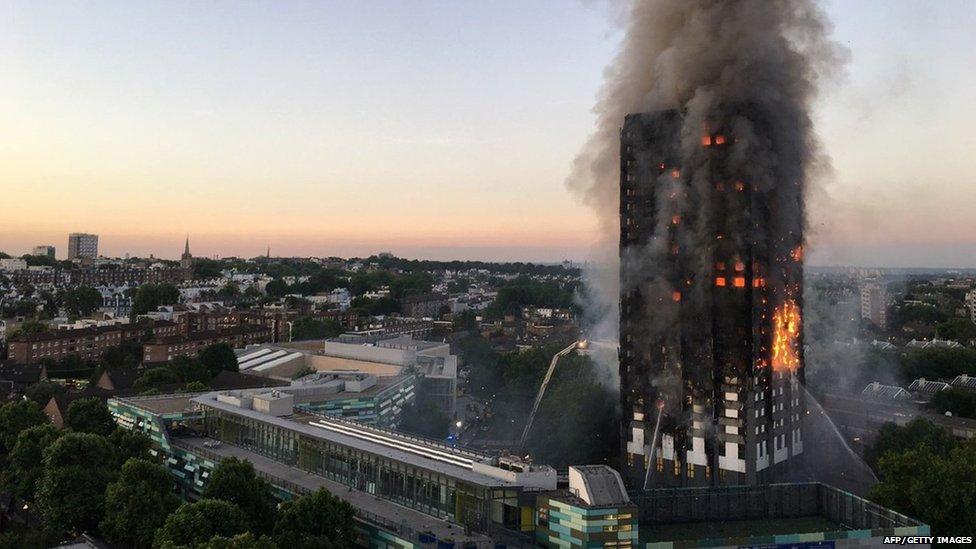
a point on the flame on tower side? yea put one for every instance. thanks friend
(786, 333)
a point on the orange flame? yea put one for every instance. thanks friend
(786, 334)
(797, 253)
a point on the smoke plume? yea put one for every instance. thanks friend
(747, 67)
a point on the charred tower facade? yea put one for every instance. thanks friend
(711, 363)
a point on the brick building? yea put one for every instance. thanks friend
(165, 349)
(88, 343)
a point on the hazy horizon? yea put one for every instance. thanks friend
(339, 129)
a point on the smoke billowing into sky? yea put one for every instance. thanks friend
(709, 59)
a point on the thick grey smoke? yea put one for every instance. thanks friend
(749, 67)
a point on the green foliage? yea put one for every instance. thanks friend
(411, 284)
(206, 268)
(28, 328)
(895, 439)
(42, 391)
(89, 415)
(138, 503)
(240, 541)
(937, 363)
(525, 292)
(218, 357)
(196, 387)
(302, 372)
(577, 420)
(126, 355)
(957, 329)
(959, 402)
(71, 491)
(369, 281)
(485, 379)
(24, 465)
(196, 523)
(160, 375)
(903, 314)
(305, 328)
(15, 417)
(150, 296)
(317, 520)
(188, 369)
(938, 489)
(376, 307)
(276, 288)
(40, 261)
(129, 444)
(81, 301)
(234, 480)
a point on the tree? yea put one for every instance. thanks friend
(196, 387)
(234, 480)
(317, 520)
(894, 439)
(137, 504)
(81, 301)
(276, 288)
(42, 391)
(188, 369)
(89, 415)
(126, 355)
(28, 328)
(16, 417)
(958, 402)
(939, 490)
(71, 492)
(240, 541)
(159, 375)
(24, 465)
(129, 444)
(957, 329)
(305, 328)
(150, 296)
(197, 523)
(217, 358)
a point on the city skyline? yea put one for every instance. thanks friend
(258, 127)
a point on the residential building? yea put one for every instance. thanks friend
(88, 343)
(711, 353)
(422, 305)
(164, 349)
(971, 304)
(12, 264)
(82, 245)
(874, 303)
(45, 251)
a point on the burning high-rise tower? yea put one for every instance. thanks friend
(711, 233)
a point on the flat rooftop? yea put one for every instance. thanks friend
(413, 451)
(717, 530)
(162, 404)
(386, 510)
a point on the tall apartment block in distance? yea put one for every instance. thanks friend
(82, 245)
(47, 251)
(711, 364)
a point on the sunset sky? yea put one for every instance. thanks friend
(430, 129)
